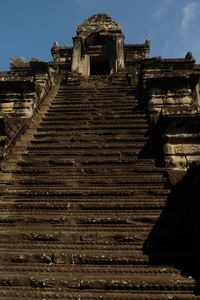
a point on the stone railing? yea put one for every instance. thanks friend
(20, 96)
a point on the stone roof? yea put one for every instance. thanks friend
(96, 23)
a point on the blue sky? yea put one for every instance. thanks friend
(28, 28)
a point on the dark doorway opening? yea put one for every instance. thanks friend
(99, 65)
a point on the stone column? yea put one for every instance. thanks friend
(119, 40)
(76, 56)
(198, 92)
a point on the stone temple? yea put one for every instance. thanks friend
(100, 177)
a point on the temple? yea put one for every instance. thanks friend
(99, 185)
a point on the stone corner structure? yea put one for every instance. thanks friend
(100, 152)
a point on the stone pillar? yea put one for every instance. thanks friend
(76, 56)
(119, 40)
(198, 92)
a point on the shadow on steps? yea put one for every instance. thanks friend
(175, 238)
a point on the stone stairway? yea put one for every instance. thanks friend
(84, 199)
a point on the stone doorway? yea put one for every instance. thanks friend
(99, 65)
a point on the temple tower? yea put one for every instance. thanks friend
(98, 47)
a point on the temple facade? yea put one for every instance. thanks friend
(99, 48)
(100, 152)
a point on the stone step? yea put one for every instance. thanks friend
(117, 109)
(36, 203)
(93, 102)
(96, 106)
(87, 201)
(58, 174)
(100, 282)
(105, 134)
(130, 231)
(90, 254)
(75, 188)
(17, 159)
(98, 233)
(71, 113)
(82, 146)
(61, 179)
(81, 158)
(102, 212)
(38, 139)
(61, 161)
(43, 205)
(94, 170)
(100, 148)
(60, 184)
(101, 99)
(81, 173)
(79, 117)
(93, 121)
(100, 130)
(95, 201)
(53, 293)
(88, 269)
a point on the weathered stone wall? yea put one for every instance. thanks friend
(62, 54)
(181, 137)
(173, 103)
(136, 51)
(161, 98)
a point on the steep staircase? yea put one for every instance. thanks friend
(83, 199)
